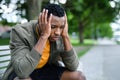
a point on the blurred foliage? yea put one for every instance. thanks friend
(87, 42)
(4, 41)
(20, 6)
(100, 31)
(89, 18)
(4, 22)
(86, 17)
(29, 9)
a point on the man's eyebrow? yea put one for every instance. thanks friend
(53, 24)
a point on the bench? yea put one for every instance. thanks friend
(4, 58)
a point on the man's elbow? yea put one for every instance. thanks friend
(20, 69)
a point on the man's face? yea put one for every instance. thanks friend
(57, 26)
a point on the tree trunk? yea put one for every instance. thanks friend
(81, 29)
(33, 9)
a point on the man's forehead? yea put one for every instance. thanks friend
(57, 19)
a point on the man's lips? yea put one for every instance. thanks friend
(55, 38)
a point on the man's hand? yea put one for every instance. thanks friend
(16, 78)
(65, 36)
(65, 30)
(44, 23)
(44, 26)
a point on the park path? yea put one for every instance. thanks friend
(101, 62)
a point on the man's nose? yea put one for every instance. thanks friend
(57, 31)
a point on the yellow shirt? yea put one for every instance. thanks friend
(45, 55)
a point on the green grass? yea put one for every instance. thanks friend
(82, 52)
(87, 42)
(4, 41)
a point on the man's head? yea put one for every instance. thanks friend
(55, 9)
(57, 22)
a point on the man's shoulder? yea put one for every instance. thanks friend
(28, 26)
(24, 32)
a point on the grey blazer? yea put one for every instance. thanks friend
(24, 58)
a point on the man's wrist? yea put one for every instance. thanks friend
(44, 36)
(67, 44)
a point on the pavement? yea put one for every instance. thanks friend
(101, 62)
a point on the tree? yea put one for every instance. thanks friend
(29, 9)
(99, 31)
(33, 8)
(86, 13)
(81, 13)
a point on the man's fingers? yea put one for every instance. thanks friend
(50, 18)
(65, 18)
(43, 14)
(46, 13)
(39, 18)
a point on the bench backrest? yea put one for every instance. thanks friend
(4, 58)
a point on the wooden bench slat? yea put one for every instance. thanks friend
(5, 58)
(3, 64)
(4, 55)
(5, 47)
(4, 52)
(5, 61)
(4, 67)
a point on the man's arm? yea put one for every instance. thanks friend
(45, 30)
(24, 60)
(69, 56)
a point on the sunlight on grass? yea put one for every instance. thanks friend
(81, 53)
(75, 42)
(87, 45)
(90, 41)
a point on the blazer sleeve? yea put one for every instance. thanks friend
(70, 59)
(24, 60)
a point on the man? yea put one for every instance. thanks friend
(38, 46)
